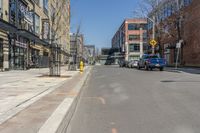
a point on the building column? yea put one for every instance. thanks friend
(5, 55)
(126, 51)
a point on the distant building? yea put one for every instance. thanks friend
(131, 38)
(89, 54)
(76, 47)
(109, 56)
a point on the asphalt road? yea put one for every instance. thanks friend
(119, 100)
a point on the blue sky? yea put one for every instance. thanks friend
(99, 19)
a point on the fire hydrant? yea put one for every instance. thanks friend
(81, 66)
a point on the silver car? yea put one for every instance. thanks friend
(133, 64)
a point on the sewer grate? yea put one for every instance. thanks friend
(167, 81)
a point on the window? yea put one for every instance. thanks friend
(134, 47)
(45, 6)
(41, 3)
(145, 36)
(12, 6)
(187, 2)
(143, 26)
(37, 1)
(1, 9)
(133, 27)
(37, 24)
(134, 37)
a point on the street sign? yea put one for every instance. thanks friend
(153, 42)
(178, 45)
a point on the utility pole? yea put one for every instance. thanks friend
(178, 45)
(153, 31)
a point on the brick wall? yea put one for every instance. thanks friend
(191, 49)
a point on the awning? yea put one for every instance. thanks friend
(31, 36)
(36, 47)
(7, 26)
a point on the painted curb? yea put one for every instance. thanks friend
(59, 120)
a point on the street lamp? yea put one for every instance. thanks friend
(153, 34)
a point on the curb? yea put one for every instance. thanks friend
(59, 120)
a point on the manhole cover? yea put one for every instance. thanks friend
(167, 81)
(48, 76)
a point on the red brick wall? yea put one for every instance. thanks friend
(191, 49)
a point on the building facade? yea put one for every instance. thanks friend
(89, 53)
(130, 38)
(26, 33)
(76, 47)
(177, 22)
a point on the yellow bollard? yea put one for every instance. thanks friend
(81, 66)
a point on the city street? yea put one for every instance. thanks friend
(120, 100)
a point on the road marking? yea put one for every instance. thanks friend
(114, 130)
(102, 100)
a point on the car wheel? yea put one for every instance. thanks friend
(146, 67)
(138, 67)
(161, 69)
(151, 68)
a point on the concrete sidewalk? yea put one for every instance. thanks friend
(188, 70)
(28, 99)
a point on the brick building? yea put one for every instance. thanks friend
(177, 23)
(130, 38)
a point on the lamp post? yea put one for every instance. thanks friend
(153, 30)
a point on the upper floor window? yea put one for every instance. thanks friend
(134, 37)
(1, 9)
(187, 2)
(133, 27)
(12, 8)
(37, 24)
(45, 5)
(37, 1)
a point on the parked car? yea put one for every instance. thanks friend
(129, 65)
(134, 64)
(151, 61)
(126, 63)
(122, 63)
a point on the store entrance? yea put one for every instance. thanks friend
(20, 58)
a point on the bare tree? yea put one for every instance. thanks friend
(169, 27)
(59, 20)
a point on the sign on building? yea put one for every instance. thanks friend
(45, 29)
